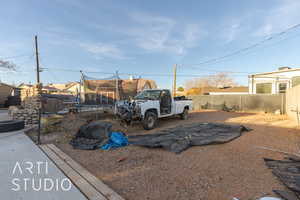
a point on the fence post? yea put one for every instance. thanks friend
(297, 113)
(282, 112)
(241, 103)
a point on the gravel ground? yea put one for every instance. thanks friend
(234, 169)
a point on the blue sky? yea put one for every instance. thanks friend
(146, 37)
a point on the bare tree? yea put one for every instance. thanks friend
(7, 65)
(221, 80)
(217, 80)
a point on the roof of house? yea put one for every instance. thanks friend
(49, 88)
(142, 82)
(4, 84)
(278, 71)
(229, 89)
(24, 84)
(207, 90)
(71, 84)
(134, 83)
(59, 86)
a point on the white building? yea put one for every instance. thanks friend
(274, 82)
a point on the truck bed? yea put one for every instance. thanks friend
(181, 98)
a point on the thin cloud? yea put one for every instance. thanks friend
(233, 31)
(157, 34)
(281, 17)
(163, 34)
(101, 50)
(74, 3)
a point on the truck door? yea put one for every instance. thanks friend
(165, 102)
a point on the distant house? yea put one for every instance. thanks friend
(5, 91)
(218, 91)
(27, 90)
(93, 91)
(49, 90)
(274, 82)
(71, 88)
(229, 90)
(107, 91)
(58, 86)
(25, 86)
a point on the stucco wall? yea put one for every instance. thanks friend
(253, 103)
(5, 91)
(293, 103)
(275, 78)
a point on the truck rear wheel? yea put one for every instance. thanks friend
(185, 114)
(150, 120)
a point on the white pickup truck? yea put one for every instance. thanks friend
(150, 105)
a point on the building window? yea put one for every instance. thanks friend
(295, 81)
(282, 87)
(263, 88)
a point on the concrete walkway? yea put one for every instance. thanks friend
(4, 115)
(28, 174)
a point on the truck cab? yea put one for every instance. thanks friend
(150, 105)
(160, 100)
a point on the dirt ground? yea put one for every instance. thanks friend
(234, 169)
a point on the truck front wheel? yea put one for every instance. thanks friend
(185, 114)
(149, 120)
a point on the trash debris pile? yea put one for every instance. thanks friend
(127, 111)
(288, 172)
(92, 135)
(182, 137)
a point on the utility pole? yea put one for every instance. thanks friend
(117, 85)
(174, 80)
(38, 88)
(117, 96)
(82, 88)
(37, 61)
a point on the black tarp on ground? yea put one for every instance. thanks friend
(288, 172)
(91, 136)
(180, 138)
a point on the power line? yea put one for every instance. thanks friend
(26, 61)
(223, 71)
(18, 56)
(247, 53)
(62, 69)
(221, 58)
(155, 74)
(134, 74)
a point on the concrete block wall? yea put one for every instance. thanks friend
(29, 112)
(29, 116)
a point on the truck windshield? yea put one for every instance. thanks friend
(148, 95)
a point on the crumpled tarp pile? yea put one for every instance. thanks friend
(116, 140)
(182, 137)
(92, 135)
(288, 172)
